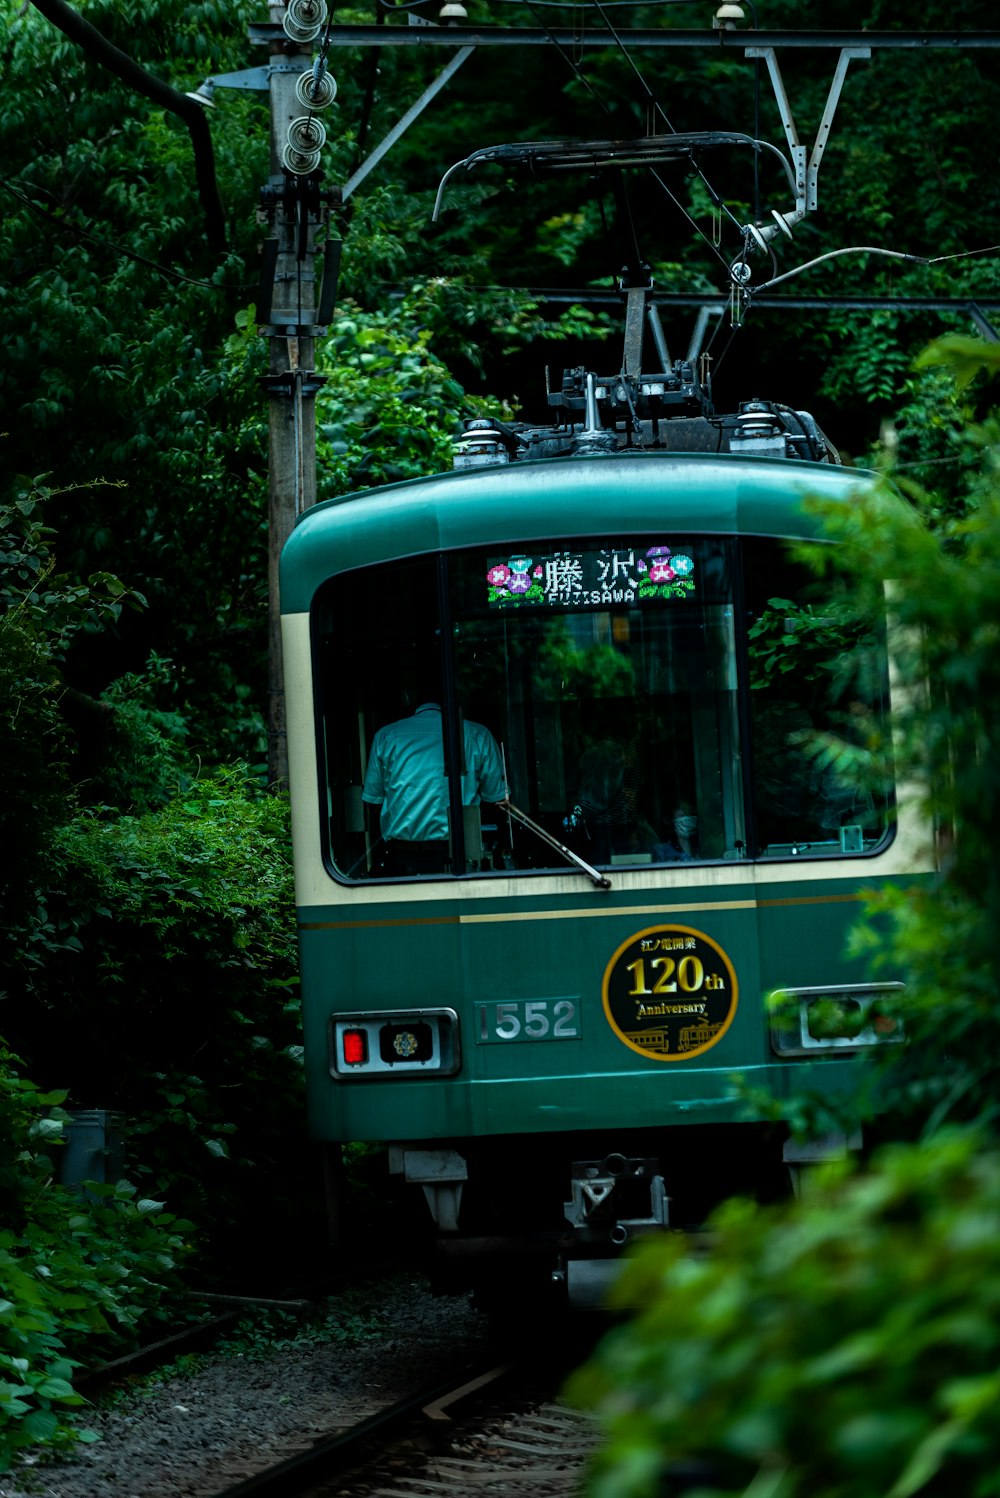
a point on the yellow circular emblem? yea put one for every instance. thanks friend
(670, 992)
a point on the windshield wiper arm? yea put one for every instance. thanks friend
(601, 881)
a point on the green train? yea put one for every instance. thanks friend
(571, 876)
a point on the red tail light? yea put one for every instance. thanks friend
(355, 1043)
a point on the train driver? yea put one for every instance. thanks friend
(406, 778)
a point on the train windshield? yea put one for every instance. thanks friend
(641, 702)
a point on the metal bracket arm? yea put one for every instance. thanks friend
(405, 122)
(806, 171)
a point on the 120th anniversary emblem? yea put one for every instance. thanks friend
(670, 992)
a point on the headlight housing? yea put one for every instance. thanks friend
(394, 1043)
(837, 1017)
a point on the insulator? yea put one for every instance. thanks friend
(313, 92)
(756, 419)
(306, 134)
(299, 163)
(757, 237)
(304, 19)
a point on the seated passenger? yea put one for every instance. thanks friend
(606, 806)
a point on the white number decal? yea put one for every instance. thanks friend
(565, 1017)
(536, 1021)
(528, 1019)
(508, 1024)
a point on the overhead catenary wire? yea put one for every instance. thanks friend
(657, 108)
(601, 6)
(578, 73)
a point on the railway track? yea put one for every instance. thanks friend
(414, 1400)
(492, 1430)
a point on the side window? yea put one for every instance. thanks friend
(818, 711)
(411, 778)
(377, 649)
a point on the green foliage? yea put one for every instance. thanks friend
(345, 1319)
(112, 357)
(78, 1272)
(802, 641)
(847, 1349)
(182, 915)
(848, 1344)
(944, 596)
(42, 613)
(388, 408)
(159, 879)
(965, 358)
(144, 754)
(44, 602)
(565, 669)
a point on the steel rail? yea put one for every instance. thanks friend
(295, 1474)
(198, 1337)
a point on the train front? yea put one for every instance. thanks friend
(549, 956)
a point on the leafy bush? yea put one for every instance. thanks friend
(849, 1345)
(139, 757)
(123, 913)
(850, 1349)
(389, 407)
(181, 919)
(78, 1272)
(42, 612)
(944, 597)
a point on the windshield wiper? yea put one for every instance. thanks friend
(601, 881)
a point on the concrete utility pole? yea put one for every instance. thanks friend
(295, 207)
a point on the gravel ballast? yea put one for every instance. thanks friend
(225, 1417)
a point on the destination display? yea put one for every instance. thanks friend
(577, 578)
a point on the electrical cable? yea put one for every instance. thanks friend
(97, 46)
(810, 437)
(734, 328)
(990, 249)
(867, 249)
(601, 6)
(368, 99)
(657, 108)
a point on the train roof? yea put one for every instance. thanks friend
(613, 494)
